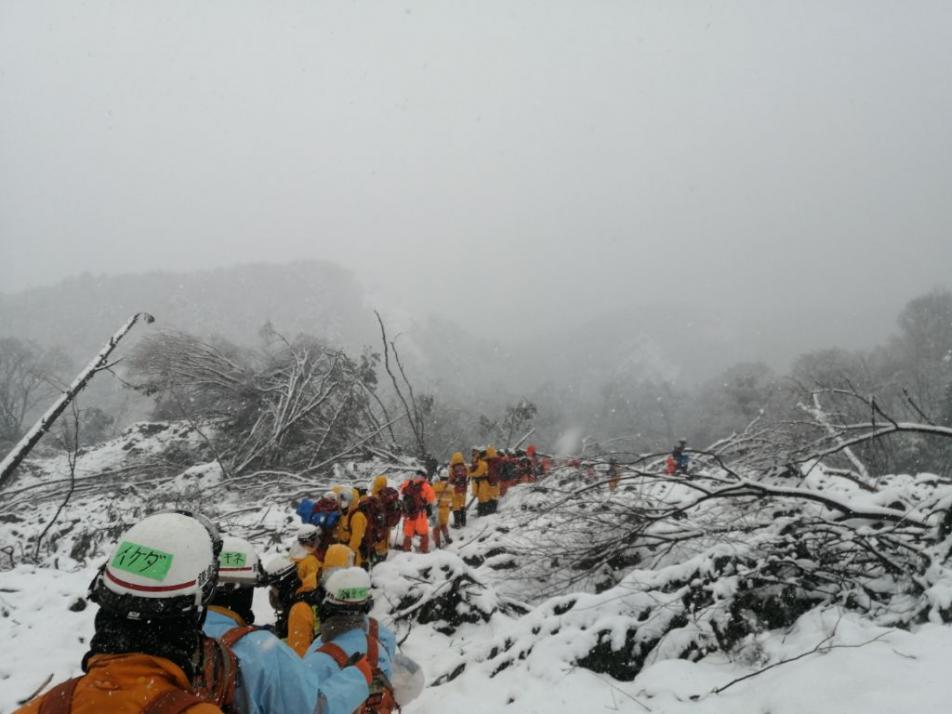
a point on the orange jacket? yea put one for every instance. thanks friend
(124, 684)
(426, 492)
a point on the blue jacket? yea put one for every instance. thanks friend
(274, 680)
(352, 641)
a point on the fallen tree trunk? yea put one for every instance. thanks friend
(32, 437)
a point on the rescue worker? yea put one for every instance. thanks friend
(338, 556)
(493, 477)
(347, 631)
(325, 513)
(382, 546)
(418, 500)
(534, 461)
(523, 468)
(296, 611)
(444, 502)
(304, 555)
(152, 595)
(507, 472)
(614, 475)
(677, 462)
(458, 480)
(353, 524)
(480, 483)
(271, 678)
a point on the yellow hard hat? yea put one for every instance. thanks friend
(457, 458)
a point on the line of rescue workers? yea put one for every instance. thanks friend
(175, 628)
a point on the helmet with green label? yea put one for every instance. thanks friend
(165, 566)
(238, 562)
(348, 587)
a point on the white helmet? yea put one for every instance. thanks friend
(278, 567)
(165, 566)
(238, 562)
(346, 497)
(308, 534)
(348, 586)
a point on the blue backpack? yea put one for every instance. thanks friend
(324, 513)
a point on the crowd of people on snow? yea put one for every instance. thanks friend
(175, 628)
(175, 633)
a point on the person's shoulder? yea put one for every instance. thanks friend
(385, 634)
(261, 636)
(267, 643)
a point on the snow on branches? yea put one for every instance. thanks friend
(290, 405)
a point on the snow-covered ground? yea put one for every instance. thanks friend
(860, 669)
(472, 615)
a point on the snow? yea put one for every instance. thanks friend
(475, 619)
(899, 672)
(41, 635)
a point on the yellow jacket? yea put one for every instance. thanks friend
(351, 528)
(444, 495)
(302, 624)
(477, 475)
(479, 469)
(308, 570)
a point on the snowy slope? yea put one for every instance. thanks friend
(478, 615)
(895, 671)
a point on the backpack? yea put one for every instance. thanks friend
(215, 683)
(219, 674)
(413, 499)
(376, 531)
(390, 500)
(324, 513)
(493, 471)
(282, 613)
(458, 477)
(382, 699)
(59, 700)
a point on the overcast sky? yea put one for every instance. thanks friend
(499, 161)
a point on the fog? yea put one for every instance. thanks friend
(516, 167)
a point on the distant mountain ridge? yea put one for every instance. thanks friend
(668, 340)
(79, 313)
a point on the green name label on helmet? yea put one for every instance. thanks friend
(142, 560)
(232, 559)
(353, 594)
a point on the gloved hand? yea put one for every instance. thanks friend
(429, 510)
